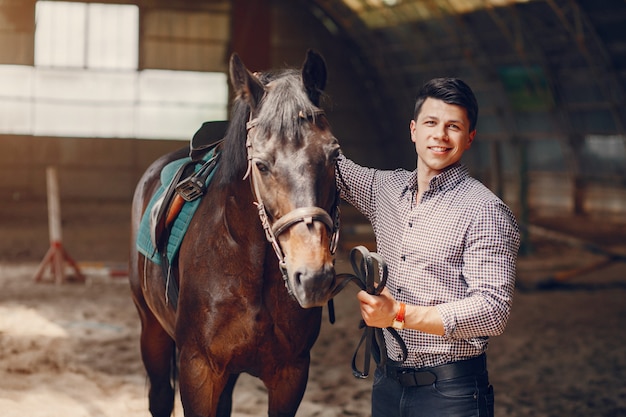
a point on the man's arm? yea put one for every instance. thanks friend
(489, 263)
(490, 276)
(381, 310)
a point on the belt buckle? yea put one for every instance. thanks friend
(190, 188)
(415, 378)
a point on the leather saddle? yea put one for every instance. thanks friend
(209, 134)
(188, 184)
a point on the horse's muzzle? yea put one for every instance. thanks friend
(313, 288)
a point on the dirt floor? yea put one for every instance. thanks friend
(72, 350)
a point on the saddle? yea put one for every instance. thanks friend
(188, 184)
(206, 137)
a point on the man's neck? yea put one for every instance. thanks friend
(424, 175)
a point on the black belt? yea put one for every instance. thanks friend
(412, 377)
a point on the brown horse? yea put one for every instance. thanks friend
(257, 261)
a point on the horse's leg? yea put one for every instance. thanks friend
(286, 387)
(158, 354)
(201, 383)
(225, 406)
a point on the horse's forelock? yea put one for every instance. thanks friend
(282, 104)
(278, 115)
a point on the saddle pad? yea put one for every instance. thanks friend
(181, 223)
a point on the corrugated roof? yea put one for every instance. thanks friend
(386, 13)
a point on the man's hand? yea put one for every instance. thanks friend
(378, 310)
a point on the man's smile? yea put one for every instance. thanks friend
(438, 148)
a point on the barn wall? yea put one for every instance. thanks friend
(89, 169)
(17, 32)
(97, 176)
(187, 35)
(293, 30)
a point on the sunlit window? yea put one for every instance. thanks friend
(85, 81)
(87, 35)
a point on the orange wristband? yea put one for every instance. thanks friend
(401, 312)
(398, 322)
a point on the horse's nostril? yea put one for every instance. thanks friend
(297, 277)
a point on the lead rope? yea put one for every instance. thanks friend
(372, 338)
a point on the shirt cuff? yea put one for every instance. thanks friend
(448, 317)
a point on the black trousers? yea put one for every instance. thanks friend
(458, 389)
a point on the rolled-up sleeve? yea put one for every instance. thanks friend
(489, 264)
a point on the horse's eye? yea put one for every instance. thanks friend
(262, 167)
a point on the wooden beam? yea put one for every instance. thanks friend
(251, 32)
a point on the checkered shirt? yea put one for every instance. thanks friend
(456, 250)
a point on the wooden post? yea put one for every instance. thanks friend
(56, 255)
(522, 146)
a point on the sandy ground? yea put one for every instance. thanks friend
(72, 350)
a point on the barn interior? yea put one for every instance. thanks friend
(549, 77)
(98, 90)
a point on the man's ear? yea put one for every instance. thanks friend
(412, 127)
(472, 135)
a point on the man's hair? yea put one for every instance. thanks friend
(450, 91)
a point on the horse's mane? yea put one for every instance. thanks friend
(278, 115)
(233, 158)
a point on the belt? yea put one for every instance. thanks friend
(412, 377)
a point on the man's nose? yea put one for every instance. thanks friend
(442, 132)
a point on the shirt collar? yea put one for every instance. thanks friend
(446, 180)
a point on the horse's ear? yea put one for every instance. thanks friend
(246, 85)
(314, 75)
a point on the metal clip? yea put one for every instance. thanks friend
(190, 188)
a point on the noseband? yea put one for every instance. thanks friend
(306, 215)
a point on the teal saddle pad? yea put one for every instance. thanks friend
(179, 227)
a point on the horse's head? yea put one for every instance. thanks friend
(291, 164)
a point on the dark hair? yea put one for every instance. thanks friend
(450, 91)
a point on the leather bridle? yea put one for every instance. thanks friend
(306, 215)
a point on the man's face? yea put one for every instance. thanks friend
(441, 134)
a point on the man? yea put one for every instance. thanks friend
(451, 247)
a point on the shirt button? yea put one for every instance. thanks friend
(410, 224)
(403, 257)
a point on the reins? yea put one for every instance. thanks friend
(372, 339)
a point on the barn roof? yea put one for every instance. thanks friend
(549, 73)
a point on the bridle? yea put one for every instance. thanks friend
(306, 215)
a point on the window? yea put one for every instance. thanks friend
(86, 35)
(85, 81)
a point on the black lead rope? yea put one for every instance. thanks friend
(372, 338)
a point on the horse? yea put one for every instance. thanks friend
(256, 264)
